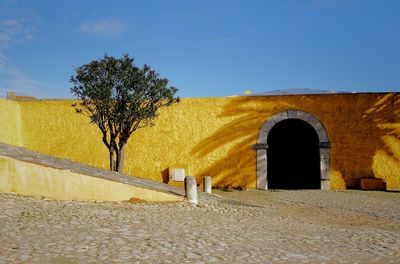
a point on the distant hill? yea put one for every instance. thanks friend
(299, 91)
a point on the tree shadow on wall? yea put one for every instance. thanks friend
(355, 134)
(235, 139)
(386, 159)
(355, 127)
(165, 175)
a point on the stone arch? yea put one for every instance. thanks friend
(262, 146)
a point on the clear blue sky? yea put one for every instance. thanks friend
(205, 47)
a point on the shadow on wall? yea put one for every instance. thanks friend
(236, 168)
(364, 137)
(165, 175)
(354, 139)
(386, 160)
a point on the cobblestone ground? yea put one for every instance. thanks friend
(232, 227)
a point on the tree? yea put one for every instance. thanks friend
(119, 98)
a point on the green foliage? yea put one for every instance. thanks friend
(120, 97)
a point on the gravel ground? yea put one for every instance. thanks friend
(228, 227)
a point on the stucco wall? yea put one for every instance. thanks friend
(214, 136)
(10, 123)
(40, 181)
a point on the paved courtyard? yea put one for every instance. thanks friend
(231, 227)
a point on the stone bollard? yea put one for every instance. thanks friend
(207, 184)
(191, 189)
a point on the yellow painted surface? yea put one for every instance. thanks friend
(337, 181)
(39, 181)
(214, 136)
(10, 123)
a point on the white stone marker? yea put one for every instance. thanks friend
(191, 189)
(207, 184)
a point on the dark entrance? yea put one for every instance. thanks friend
(293, 156)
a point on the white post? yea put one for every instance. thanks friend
(207, 184)
(191, 189)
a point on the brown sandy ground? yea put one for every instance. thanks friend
(228, 227)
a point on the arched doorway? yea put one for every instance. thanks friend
(293, 156)
(297, 139)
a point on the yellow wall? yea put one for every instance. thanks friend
(214, 136)
(10, 123)
(39, 181)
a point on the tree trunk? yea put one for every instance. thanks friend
(120, 159)
(112, 160)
